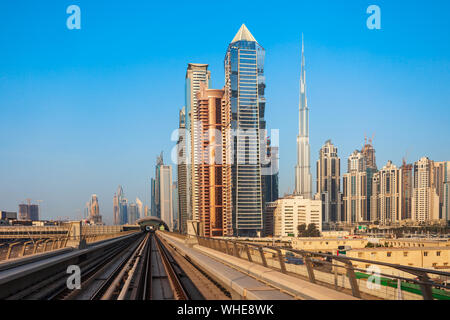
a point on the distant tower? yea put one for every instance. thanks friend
(368, 151)
(28, 211)
(182, 174)
(355, 189)
(329, 182)
(425, 204)
(386, 194)
(406, 190)
(162, 192)
(95, 217)
(140, 208)
(442, 179)
(118, 207)
(116, 210)
(303, 180)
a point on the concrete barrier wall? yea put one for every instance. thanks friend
(338, 279)
(92, 229)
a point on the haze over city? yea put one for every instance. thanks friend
(90, 110)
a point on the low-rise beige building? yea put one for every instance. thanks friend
(327, 244)
(415, 243)
(423, 257)
(292, 211)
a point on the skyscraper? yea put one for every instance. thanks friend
(195, 75)
(368, 151)
(120, 207)
(175, 205)
(140, 208)
(446, 194)
(28, 211)
(116, 209)
(94, 217)
(123, 211)
(182, 173)
(406, 187)
(386, 194)
(165, 187)
(162, 192)
(441, 178)
(132, 213)
(355, 189)
(329, 182)
(156, 187)
(244, 85)
(425, 204)
(303, 180)
(153, 207)
(214, 170)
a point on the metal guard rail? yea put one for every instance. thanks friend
(231, 247)
(42, 245)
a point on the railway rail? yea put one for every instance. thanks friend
(136, 267)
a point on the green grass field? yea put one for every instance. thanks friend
(438, 294)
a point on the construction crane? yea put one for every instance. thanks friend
(405, 158)
(368, 139)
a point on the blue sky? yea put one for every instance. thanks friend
(86, 110)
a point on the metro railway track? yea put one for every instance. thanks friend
(137, 268)
(157, 276)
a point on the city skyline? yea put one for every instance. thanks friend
(387, 142)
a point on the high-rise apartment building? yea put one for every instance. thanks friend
(292, 211)
(329, 182)
(213, 163)
(28, 212)
(244, 85)
(386, 194)
(196, 74)
(162, 192)
(368, 151)
(165, 197)
(182, 171)
(425, 204)
(132, 213)
(406, 189)
(355, 189)
(153, 207)
(446, 201)
(303, 180)
(123, 210)
(441, 178)
(140, 208)
(175, 205)
(156, 188)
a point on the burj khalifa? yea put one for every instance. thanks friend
(303, 181)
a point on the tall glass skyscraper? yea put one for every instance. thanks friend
(245, 83)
